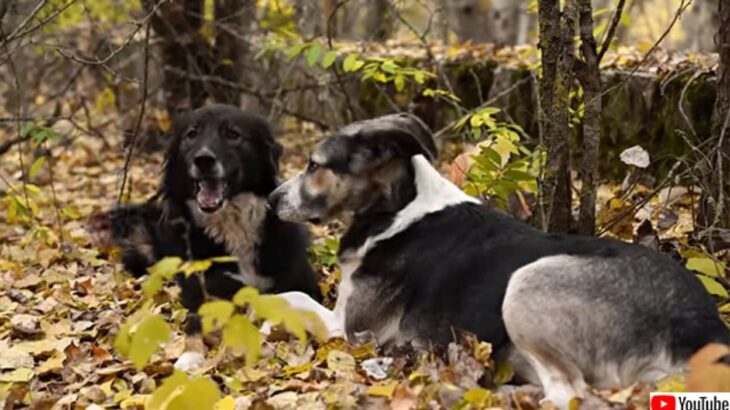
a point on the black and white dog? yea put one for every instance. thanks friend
(421, 260)
(220, 168)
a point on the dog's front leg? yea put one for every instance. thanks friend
(300, 300)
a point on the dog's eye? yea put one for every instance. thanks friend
(192, 133)
(312, 166)
(232, 135)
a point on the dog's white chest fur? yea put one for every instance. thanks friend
(238, 226)
(433, 194)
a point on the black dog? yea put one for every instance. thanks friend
(220, 167)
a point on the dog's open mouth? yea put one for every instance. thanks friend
(210, 194)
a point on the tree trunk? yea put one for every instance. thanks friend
(469, 19)
(715, 204)
(699, 26)
(184, 53)
(589, 76)
(377, 24)
(233, 19)
(556, 39)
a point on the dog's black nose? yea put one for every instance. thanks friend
(205, 162)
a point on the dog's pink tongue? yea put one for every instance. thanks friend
(210, 194)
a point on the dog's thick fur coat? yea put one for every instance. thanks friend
(421, 260)
(241, 170)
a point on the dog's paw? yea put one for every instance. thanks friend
(190, 361)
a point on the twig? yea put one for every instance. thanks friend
(138, 125)
(18, 111)
(612, 29)
(125, 43)
(505, 92)
(335, 68)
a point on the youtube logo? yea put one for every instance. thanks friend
(663, 402)
(690, 401)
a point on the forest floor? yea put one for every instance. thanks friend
(63, 297)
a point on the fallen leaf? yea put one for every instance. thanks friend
(17, 376)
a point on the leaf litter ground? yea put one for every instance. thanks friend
(63, 297)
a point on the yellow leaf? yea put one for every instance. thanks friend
(478, 397)
(189, 268)
(53, 364)
(150, 333)
(270, 307)
(241, 335)
(17, 376)
(713, 286)
(294, 325)
(166, 267)
(169, 387)
(226, 403)
(199, 394)
(133, 402)
(37, 165)
(340, 361)
(152, 286)
(224, 259)
(383, 390)
(163, 121)
(244, 296)
(215, 314)
(706, 265)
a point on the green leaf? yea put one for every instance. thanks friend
(329, 59)
(37, 165)
(706, 265)
(419, 77)
(242, 336)
(295, 51)
(352, 63)
(27, 128)
(517, 175)
(313, 54)
(215, 314)
(400, 82)
(713, 287)
(152, 332)
(166, 267)
(389, 66)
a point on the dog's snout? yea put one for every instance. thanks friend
(275, 198)
(205, 162)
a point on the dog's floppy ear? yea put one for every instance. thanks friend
(388, 137)
(173, 167)
(273, 149)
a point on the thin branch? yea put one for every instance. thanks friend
(505, 92)
(612, 29)
(125, 43)
(143, 105)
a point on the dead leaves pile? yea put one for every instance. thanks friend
(62, 300)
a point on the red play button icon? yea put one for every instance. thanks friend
(663, 402)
